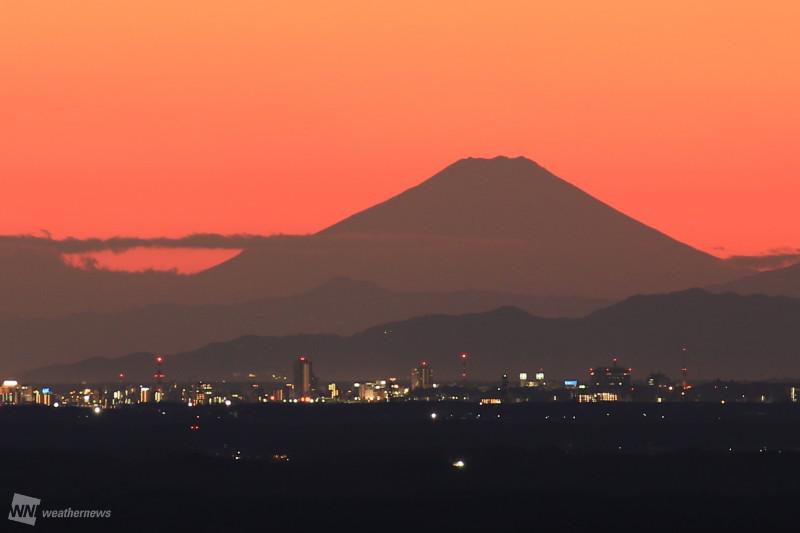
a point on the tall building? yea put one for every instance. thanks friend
(144, 395)
(158, 377)
(422, 376)
(333, 391)
(612, 379)
(302, 377)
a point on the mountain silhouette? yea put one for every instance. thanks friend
(714, 335)
(780, 282)
(340, 306)
(497, 224)
(502, 225)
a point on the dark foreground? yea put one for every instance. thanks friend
(623, 467)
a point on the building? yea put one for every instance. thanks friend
(302, 377)
(203, 394)
(333, 392)
(42, 396)
(614, 379)
(422, 376)
(10, 393)
(526, 382)
(144, 395)
(368, 392)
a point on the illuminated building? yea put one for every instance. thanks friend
(42, 396)
(302, 377)
(538, 381)
(119, 397)
(422, 376)
(612, 378)
(393, 389)
(368, 392)
(592, 397)
(9, 392)
(278, 395)
(158, 377)
(203, 393)
(144, 395)
(793, 394)
(333, 392)
(25, 394)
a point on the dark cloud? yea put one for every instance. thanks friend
(121, 244)
(779, 258)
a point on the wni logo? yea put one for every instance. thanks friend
(24, 509)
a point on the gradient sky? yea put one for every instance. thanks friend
(165, 118)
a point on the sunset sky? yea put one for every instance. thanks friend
(156, 118)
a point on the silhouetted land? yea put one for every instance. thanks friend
(725, 335)
(389, 466)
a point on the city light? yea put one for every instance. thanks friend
(611, 383)
(459, 464)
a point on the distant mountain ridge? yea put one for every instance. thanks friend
(340, 306)
(780, 282)
(501, 231)
(724, 335)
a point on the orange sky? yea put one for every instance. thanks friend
(164, 118)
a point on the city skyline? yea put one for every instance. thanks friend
(399, 266)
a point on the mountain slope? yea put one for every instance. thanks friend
(727, 335)
(498, 225)
(780, 282)
(494, 224)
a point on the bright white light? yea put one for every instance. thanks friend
(459, 464)
(10, 383)
(97, 410)
(56, 404)
(433, 416)
(227, 403)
